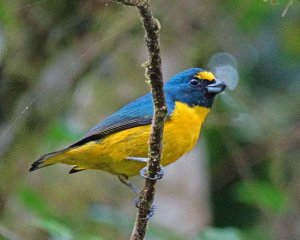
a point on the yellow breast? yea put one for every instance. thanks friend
(182, 131)
(109, 154)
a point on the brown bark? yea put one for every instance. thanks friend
(154, 77)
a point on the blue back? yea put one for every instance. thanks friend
(140, 111)
(142, 107)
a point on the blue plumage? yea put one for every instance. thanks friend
(140, 111)
(143, 107)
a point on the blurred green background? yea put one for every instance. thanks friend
(65, 65)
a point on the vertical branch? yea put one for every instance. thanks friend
(154, 75)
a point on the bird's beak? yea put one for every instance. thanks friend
(216, 87)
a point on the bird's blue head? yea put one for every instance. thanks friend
(195, 87)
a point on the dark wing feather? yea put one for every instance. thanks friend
(100, 132)
(134, 114)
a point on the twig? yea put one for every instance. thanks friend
(153, 73)
(287, 7)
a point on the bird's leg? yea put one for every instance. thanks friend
(143, 171)
(124, 179)
(138, 159)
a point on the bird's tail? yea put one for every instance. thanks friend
(46, 160)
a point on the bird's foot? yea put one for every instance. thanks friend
(144, 171)
(157, 176)
(152, 209)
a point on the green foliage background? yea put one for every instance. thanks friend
(65, 65)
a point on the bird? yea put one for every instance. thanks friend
(119, 143)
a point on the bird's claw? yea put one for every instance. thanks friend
(152, 209)
(157, 176)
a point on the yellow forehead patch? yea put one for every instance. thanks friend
(205, 76)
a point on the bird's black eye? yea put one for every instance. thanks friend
(194, 82)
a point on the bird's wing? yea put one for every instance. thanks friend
(134, 114)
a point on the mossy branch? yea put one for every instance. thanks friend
(153, 72)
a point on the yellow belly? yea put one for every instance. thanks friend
(109, 154)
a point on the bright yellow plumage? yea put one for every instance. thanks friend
(181, 132)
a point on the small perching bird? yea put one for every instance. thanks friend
(119, 144)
